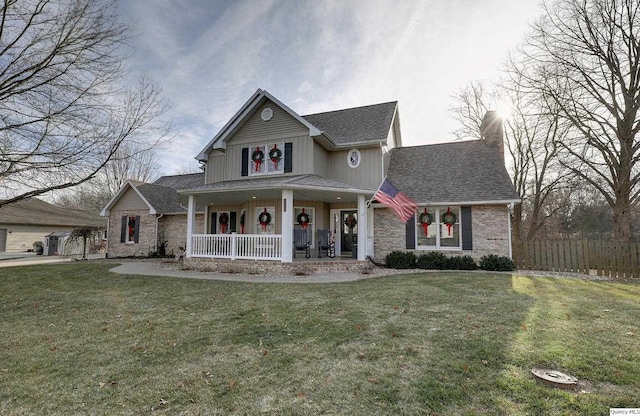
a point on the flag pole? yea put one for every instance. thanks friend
(374, 194)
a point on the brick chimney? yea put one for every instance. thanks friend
(492, 130)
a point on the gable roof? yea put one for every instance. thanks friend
(340, 128)
(367, 124)
(465, 172)
(161, 196)
(243, 114)
(34, 211)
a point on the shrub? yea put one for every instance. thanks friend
(497, 263)
(433, 260)
(400, 260)
(461, 263)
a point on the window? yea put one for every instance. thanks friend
(300, 214)
(266, 159)
(130, 229)
(266, 219)
(438, 228)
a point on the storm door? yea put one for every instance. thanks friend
(349, 230)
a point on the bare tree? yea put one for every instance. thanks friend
(530, 136)
(471, 104)
(583, 56)
(64, 113)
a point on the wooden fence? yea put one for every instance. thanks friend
(602, 258)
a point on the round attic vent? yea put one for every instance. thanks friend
(267, 114)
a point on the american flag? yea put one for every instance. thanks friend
(389, 195)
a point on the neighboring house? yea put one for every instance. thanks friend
(24, 222)
(142, 217)
(270, 171)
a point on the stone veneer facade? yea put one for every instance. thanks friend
(296, 268)
(490, 225)
(172, 228)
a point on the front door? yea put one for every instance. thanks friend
(349, 230)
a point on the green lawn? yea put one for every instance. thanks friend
(76, 339)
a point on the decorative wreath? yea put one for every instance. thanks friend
(132, 224)
(265, 219)
(223, 220)
(425, 220)
(449, 219)
(275, 154)
(303, 219)
(242, 223)
(350, 221)
(258, 157)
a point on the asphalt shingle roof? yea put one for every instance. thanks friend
(468, 171)
(181, 181)
(370, 123)
(34, 211)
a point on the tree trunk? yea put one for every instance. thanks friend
(622, 220)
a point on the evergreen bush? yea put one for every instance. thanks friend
(497, 263)
(400, 260)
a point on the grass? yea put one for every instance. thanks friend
(76, 339)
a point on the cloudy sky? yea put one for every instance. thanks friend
(210, 56)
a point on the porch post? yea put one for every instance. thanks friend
(287, 225)
(191, 213)
(362, 228)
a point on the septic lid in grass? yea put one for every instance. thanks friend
(555, 378)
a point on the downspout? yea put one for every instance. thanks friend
(509, 209)
(106, 249)
(157, 219)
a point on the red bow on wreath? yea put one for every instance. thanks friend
(258, 157)
(449, 219)
(265, 219)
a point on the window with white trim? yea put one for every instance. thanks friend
(438, 228)
(266, 159)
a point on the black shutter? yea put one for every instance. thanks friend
(232, 221)
(467, 229)
(214, 222)
(245, 161)
(411, 232)
(136, 230)
(123, 230)
(288, 156)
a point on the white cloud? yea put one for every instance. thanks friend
(210, 56)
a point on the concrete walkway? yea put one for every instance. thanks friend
(28, 259)
(158, 269)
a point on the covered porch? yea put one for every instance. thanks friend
(257, 219)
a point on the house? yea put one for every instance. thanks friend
(270, 173)
(144, 218)
(29, 220)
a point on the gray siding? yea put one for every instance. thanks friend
(130, 201)
(216, 167)
(321, 160)
(281, 125)
(367, 175)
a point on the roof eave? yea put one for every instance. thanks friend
(219, 140)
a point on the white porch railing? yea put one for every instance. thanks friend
(237, 246)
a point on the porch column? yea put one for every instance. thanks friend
(287, 225)
(362, 228)
(191, 216)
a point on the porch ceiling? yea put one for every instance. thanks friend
(304, 187)
(241, 196)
